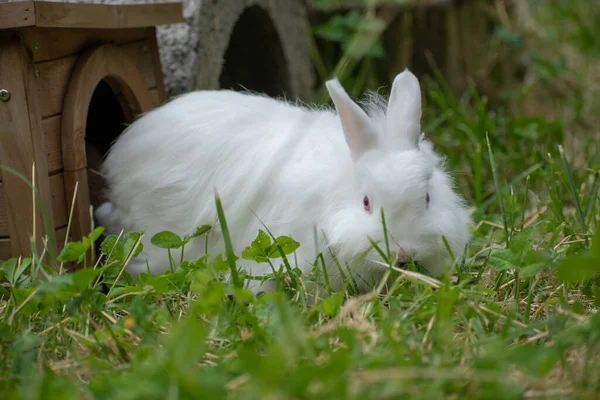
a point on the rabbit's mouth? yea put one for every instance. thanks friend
(402, 259)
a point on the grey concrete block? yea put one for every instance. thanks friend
(269, 50)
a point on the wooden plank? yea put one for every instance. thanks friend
(53, 76)
(59, 202)
(80, 224)
(39, 147)
(50, 43)
(51, 129)
(157, 68)
(140, 53)
(5, 249)
(156, 97)
(61, 234)
(17, 14)
(52, 81)
(3, 213)
(19, 121)
(69, 15)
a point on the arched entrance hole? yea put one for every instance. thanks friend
(254, 59)
(107, 118)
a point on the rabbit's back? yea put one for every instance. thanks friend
(263, 156)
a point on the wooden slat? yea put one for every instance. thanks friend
(61, 234)
(39, 147)
(20, 130)
(51, 129)
(50, 43)
(5, 251)
(69, 15)
(157, 67)
(156, 97)
(140, 53)
(17, 14)
(3, 214)
(52, 78)
(80, 224)
(59, 203)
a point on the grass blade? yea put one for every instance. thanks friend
(525, 201)
(497, 185)
(572, 189)
(592, 196)
(227, 239)
(43, 210)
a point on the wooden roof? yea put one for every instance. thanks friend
(75, 15)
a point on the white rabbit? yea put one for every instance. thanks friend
(317, 176)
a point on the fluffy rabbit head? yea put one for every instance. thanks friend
(396, 169)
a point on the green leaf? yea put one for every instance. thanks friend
(20, 295)
(96, 233)
(167, 240)
(221, 265)
(83, 278)
(198, 232)
(112, 249)
(185, 344)
(578, 268)
(353, 20)
(331, 32)
(57, 286)
(210, 299)
(262, 249)
(520, 255)
(536, 360)
(331, 305)
(532, 269)
(130, 239)
(160, 283)
(200, 281)
(27, 342)
(118, 291)
(258, 249)
(287, 244)
(243, 294)
(376, 51)
(522, 241)
(75, 251)
(503, 260)
(14, 271)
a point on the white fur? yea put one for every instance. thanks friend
(293, 168)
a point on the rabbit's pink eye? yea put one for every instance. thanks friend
(367, 204)
(427, 199)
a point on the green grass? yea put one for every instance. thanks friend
(517, 319)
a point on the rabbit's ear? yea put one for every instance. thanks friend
(359, 130)
(403, 116)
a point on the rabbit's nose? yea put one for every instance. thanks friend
(403, 258)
